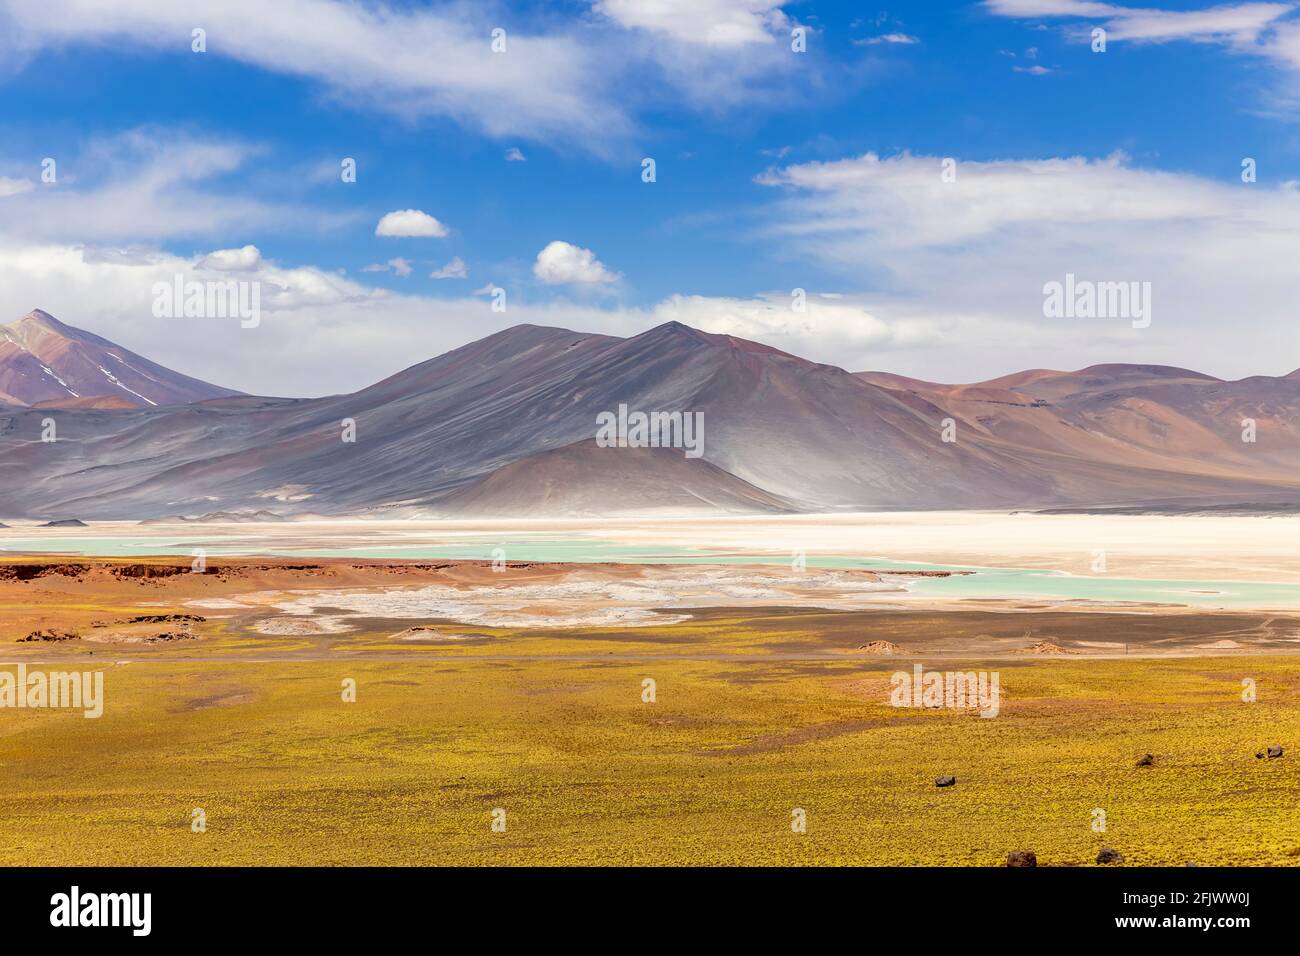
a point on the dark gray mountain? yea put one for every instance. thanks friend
(507, 422)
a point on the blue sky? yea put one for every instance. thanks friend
(166, 155)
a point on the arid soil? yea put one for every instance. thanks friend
(288, 607)
(365, 732)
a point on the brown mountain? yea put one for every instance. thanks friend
(43, 361)
(1133, 416)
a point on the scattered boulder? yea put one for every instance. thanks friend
(1107, 855)
(882, 648)
(945, 782)
(147, 571)
(1022, 858)
(155, 619)
(28, 571)
(1043, 647)
(171, 636)
(1147, 760)
(49, 634)
(1272, 752)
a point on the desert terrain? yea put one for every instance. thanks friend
(520, 687)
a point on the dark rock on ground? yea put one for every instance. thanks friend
(28, 572)
(170, 636)
(1022, 858)
(155, 619)
(149, 571)
(48, 635)
(945, 781)
(1107, 855)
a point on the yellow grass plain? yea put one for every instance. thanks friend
(553, 730)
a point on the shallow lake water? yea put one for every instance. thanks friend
(984, 582)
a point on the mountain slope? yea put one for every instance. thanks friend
(584, 479)
(45, 361)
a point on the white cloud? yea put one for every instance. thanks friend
(150, 185)
(322, 333)
(515, 155)
(829, 328)
(12, 187)
(1035, 70)
(398, 266)
(306, 314)
(971, 257)
(1051, 8)
(573, 81)
(1238, 24)
(406, 223)
(895, 38)
(564, 263)
(408, 60)
(952, 289)
(233, 260)
(1284, 47)
(716, 55)
(942, 280)
(724, 23)
(455, 269)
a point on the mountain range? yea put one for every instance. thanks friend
(507, 426)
